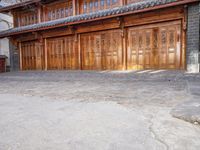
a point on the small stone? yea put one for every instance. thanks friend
(196, 123)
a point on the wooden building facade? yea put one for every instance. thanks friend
(100, 34)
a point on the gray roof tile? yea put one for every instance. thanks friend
(93, 15)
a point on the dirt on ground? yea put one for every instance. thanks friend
(87, 110)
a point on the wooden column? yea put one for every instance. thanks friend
(44, 12)
(19, 20)
(124, 2)
(20, 56)
(45, 55)
(39, 13)
(74, 7)
(15, 17)
(124, 49)
(77, 8)
(124, 42)
(184, 41)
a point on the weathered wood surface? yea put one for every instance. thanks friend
(154, 46)
(151, 40)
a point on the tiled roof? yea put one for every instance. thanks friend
(3, 56)
(3, 4)
(90, 16)
(13, 4)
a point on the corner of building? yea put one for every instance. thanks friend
(6, 22)
(193, 38)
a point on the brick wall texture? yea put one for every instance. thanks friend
(193, 43)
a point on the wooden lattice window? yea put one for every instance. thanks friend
(87, 6)
(134, 1)
(26, 18)
(59, 10)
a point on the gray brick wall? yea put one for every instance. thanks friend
(193, 43)
(14, 58)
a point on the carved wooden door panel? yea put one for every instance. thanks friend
(97, 52)
(49, 55)
(170, 42)
(132, 55)
(55, 58)
(32, 56)
(59, 54)
(66, 54)
(70, 53)
(112, 50)
(50, 49)
(91, 51)
(148, 42)
(154, 46)
(139, 55)
(62, 53)
(155, 49)
(102, 50)
(39, 56)
(23, 55)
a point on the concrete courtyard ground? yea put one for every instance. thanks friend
(107, 110)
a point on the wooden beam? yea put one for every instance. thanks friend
(45, 55)
(20, 56)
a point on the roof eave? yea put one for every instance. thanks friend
(173, 4)
(17, 5)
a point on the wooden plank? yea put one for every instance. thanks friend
(20, 56)
(25, 58)
(30, 57)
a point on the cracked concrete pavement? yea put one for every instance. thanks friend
(87, 110)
